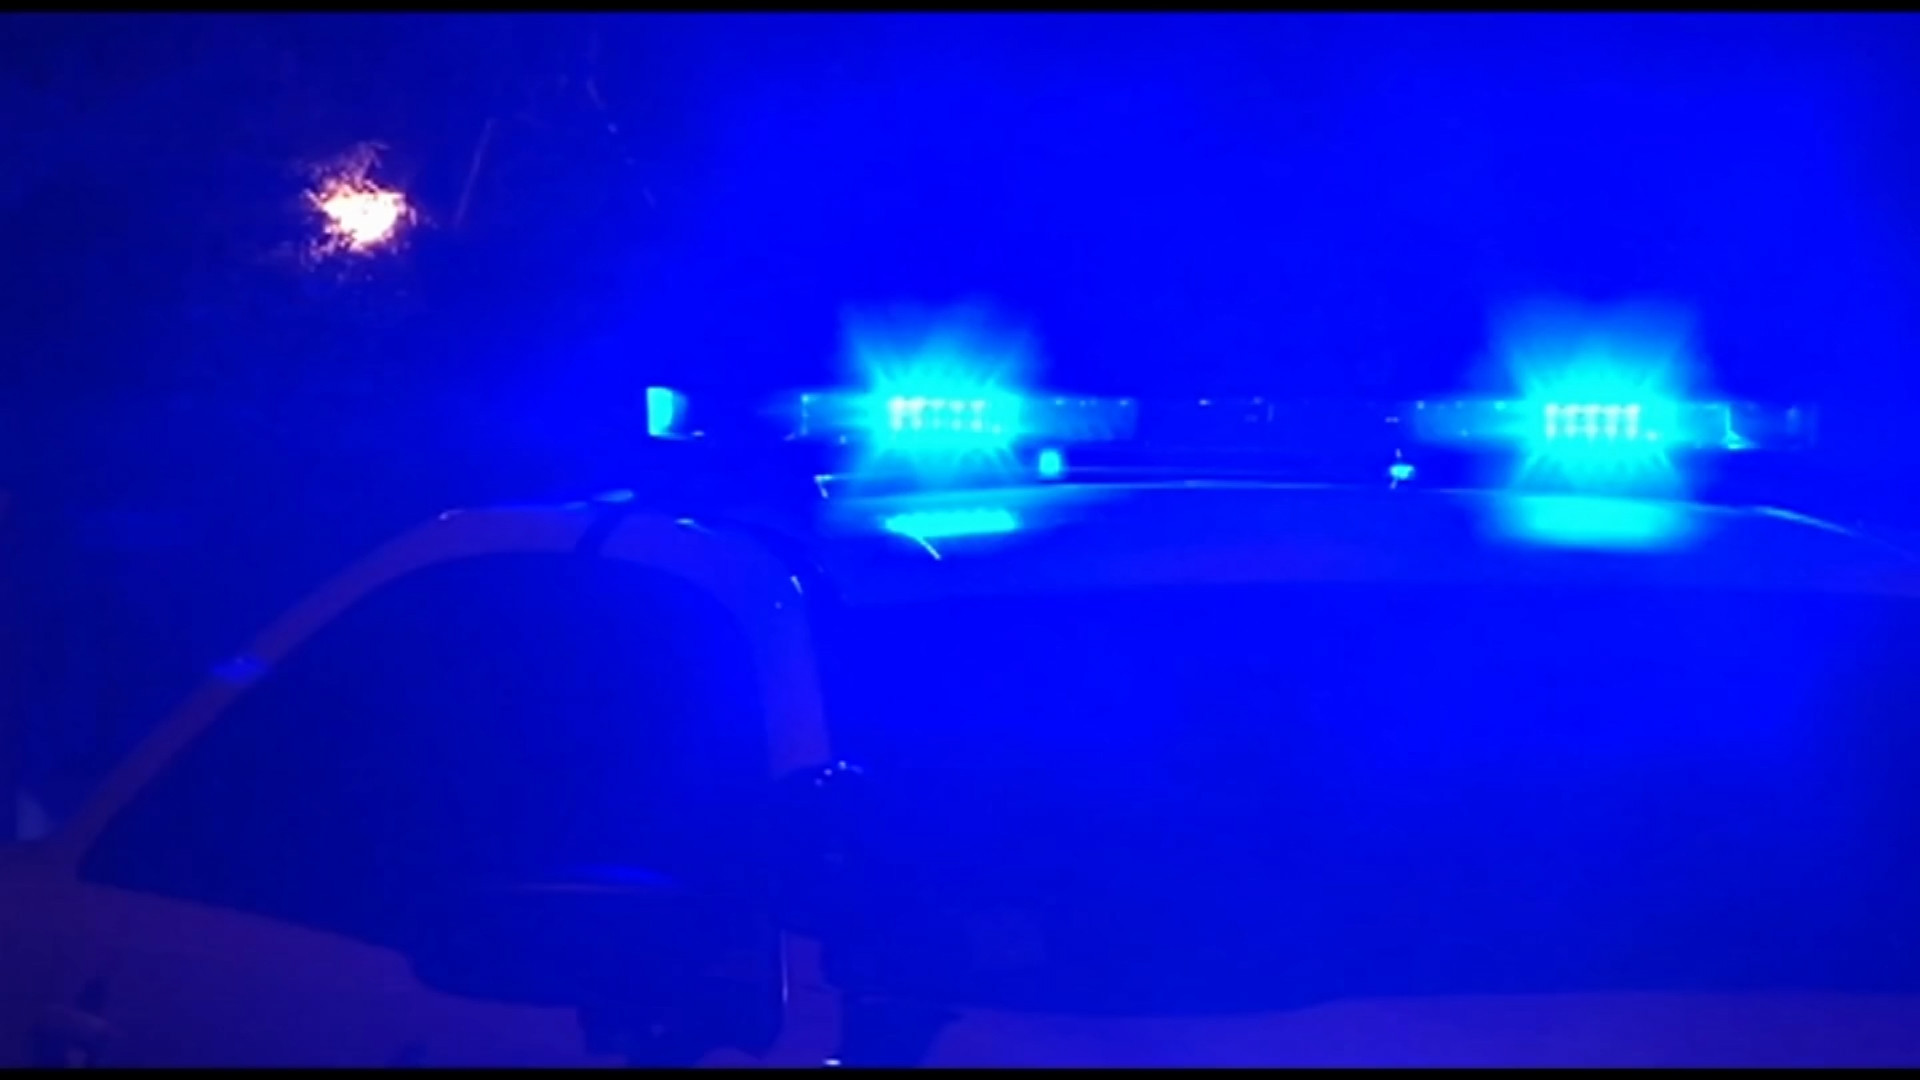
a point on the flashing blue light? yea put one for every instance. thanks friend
(948, 425)
(665, 408)
(1602, 445)
(933, 422)
(943, 399)
(1603, 408)
(947, 380)
(939, 421)
(924, 525)
(1620, 429)
(1051, 464)
(1400, 472)
(1591, 422)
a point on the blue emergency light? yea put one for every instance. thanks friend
(940, 421)
(950, 431)
(1598, 427)
(946, 425)
(1613, 428)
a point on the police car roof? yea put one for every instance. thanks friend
(1059, 537)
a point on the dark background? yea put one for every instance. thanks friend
(1283, 203)
(1337, 200)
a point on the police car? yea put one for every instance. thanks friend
(961, 726)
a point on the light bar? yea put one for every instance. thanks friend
(984, 419)
(947, 423)
(1613, 427)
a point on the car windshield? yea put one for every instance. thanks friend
(1218, 800)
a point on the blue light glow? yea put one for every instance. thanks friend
(1051, 464)
(1615, 430)
(1596, 523)
(934, 421)
(1601, 442)
(1603, 397)
(1590, 422)
(942, 390)
(1599, 403)
(981, 419)
(924, 525)
(664, 410)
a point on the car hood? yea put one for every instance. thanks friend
(1619, 1030)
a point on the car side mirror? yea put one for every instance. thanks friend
(638, 954)
(830, 889)
(819, 817)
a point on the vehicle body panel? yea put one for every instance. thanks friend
(1101, 536)
(119, 977)
(190, 984)
(1559, 1030)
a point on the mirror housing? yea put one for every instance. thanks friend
(819, 817)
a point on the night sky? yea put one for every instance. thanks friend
(1274, 202)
